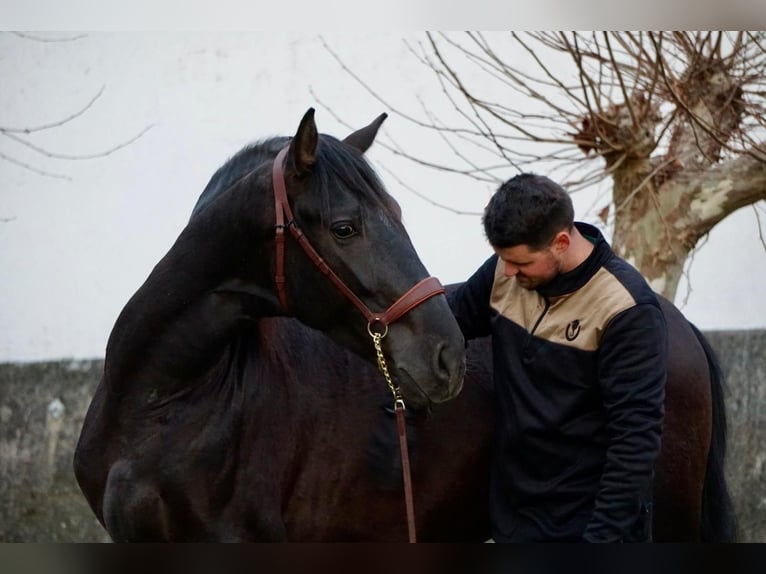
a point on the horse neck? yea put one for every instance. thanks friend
(173, 330)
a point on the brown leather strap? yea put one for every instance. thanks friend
(280, 200)
(325, 269)
(420, 292)
(401, 427)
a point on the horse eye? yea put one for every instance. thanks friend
(343, 230)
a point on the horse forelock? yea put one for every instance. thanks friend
(337, 162)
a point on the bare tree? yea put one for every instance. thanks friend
(674, 120)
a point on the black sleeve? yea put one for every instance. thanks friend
(631, 375)
(470, 301)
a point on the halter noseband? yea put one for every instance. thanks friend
(420, 292)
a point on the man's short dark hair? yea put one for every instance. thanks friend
(527, 209)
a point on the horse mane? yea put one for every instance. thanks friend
(335, 162)
(237, 167)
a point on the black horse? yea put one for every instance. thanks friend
(216, 422)
(173, 431)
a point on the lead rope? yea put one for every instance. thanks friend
(401, 428)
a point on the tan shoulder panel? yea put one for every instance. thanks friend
(513, 302)
(576, 320)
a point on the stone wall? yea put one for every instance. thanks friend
(42, 406)
(743, 358)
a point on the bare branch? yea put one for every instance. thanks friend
(626, 96)
(57, 123)
(397, 150)
(426, 198)
(34, 38)
(47, 153)
(476, 101)
(32, 168)
(697, 121)
(760, 227)
(688, 267)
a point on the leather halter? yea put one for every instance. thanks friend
(420, 292)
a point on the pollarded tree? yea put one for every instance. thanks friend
(675, 121)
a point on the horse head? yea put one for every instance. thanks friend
(354, 225)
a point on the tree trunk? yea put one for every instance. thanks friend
(657, 226)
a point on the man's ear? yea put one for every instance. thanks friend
(561, 242)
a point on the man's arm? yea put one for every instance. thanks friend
(470, 301)
(631, 374)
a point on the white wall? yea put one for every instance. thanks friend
(73, 251)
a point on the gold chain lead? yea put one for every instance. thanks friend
(376, 338)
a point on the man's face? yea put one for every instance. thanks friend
(531, 269)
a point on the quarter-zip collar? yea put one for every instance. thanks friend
(573, 280)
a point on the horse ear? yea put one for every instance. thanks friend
(362, 139)
(304, 145)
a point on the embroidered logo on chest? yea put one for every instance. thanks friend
(573, 329)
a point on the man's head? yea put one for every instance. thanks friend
(529, 222)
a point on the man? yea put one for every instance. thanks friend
(579, 349)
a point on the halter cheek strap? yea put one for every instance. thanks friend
(281, 206)
(420, 292)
